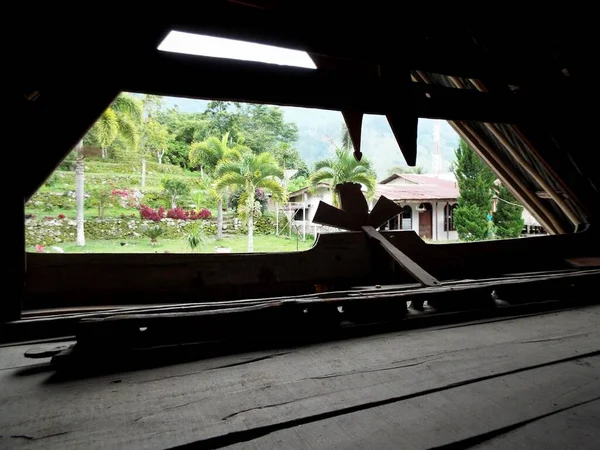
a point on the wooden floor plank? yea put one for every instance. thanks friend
(205, 399)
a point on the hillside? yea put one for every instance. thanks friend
(315, 126)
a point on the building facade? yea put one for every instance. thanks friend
(428, 203)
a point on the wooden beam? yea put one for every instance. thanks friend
(353, 121)
(333, 217)
(383, 211)
(404, 126)
(197, 77)
(422, 276)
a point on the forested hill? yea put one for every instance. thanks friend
(317, 127)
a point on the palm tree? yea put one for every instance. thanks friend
(343, 168)
(249, 173)
(121, 118)
(208, 154)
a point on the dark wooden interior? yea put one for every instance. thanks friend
(315, 349)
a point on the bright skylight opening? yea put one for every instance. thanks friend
(197, 44)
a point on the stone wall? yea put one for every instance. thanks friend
(54, 231)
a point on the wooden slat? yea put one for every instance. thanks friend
(405, 262)
(333, 217)
(405, 390)
(383, 211)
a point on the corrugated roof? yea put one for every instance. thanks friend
(424, 187)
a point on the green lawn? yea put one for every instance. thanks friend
(237, 244)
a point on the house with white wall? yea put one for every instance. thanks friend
(428, 203)
(303, 204)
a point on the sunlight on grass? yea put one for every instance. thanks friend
(237, 244)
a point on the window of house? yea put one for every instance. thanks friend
(449, 217)
(406, 218)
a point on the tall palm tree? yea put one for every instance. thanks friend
(249, 173)
(122, 119)
(207, 155)
(343, 168)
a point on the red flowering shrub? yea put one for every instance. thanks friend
(152, 214)
(62, 216)
(200, 214)
(177, 213)
(40, 248)
(48, 217)
(174, 213)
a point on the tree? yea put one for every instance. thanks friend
(174, 189)
(251, 172)
(475, 184)
(123, 115)
(344, 168)
(508, 216)
(154, 140)
(121, 119)
(405, 169)
(101, 198)
(207, 155)
(183, 128)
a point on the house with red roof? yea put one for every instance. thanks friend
(428, 203)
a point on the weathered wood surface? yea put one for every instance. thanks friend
(405, 262)
(340, 260)
(413, 389)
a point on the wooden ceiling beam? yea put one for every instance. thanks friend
(205, 78)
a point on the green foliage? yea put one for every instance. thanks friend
(154, 199)
(296, 183)
(101, 198)
(154, 231)
(344, 168)
(122, 118)
(252, 174)
(175, 189)
(265, 224)
(471, 223)
(508, 215)
(195, 237)
(260, 127)
(210, 152)
(155, 136)
(475, 183)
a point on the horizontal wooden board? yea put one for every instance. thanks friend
(410, 389)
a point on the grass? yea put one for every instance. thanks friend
(237, 244)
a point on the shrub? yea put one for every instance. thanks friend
(127, 198)
(151, 214)
(177, 213)
(181, 214)
(154, 199)
(202, 214)
(101, 198)
(154, 232)
(195, 237)
(62, 216)
(174, 189)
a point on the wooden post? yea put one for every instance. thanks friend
(447, 211)
(304, 217)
